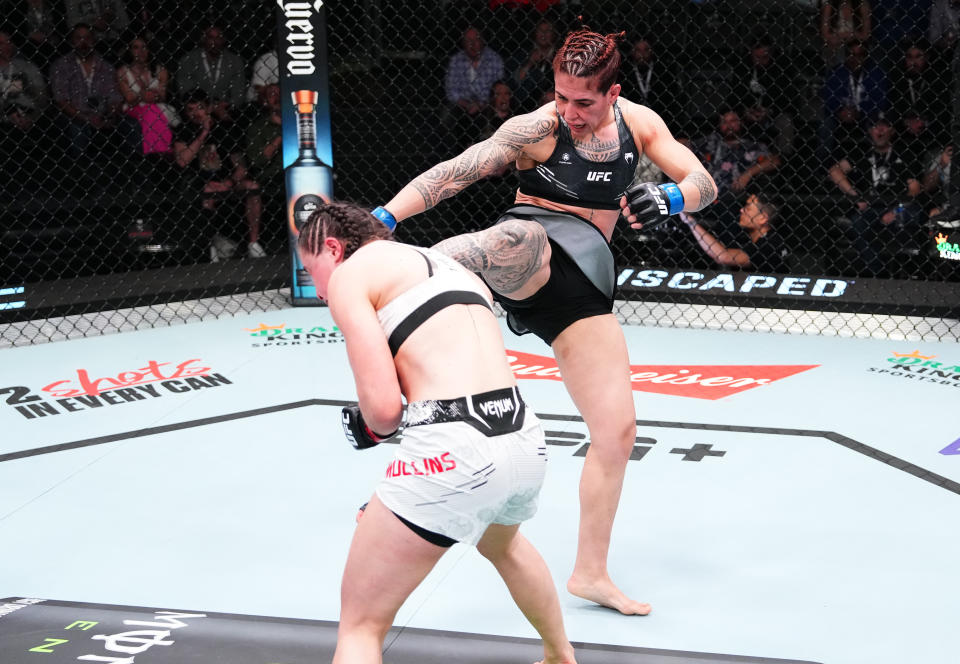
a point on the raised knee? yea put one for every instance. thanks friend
(515, 251)
(515, 234)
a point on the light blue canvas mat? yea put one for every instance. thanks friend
(790, 498)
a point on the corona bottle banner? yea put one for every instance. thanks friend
(307, 148)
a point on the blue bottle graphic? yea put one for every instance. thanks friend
(309, 181)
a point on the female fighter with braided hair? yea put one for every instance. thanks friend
(472, 457)
(548, 258)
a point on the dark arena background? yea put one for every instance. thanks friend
(98, 214)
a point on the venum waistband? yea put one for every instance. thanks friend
(492, 413)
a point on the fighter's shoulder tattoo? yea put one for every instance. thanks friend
(482, 159)
(521, 130)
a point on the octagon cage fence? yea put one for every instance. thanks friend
(142, 179)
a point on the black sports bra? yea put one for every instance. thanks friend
(566, 177)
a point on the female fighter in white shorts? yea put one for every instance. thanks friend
(472, 457)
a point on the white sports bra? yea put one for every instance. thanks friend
(447, 283)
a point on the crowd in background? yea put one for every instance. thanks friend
(104, 95)
(878, 144)
(100, 92)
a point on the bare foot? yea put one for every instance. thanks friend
(558, 660)
(604, 593)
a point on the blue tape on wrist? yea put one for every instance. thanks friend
(674, 195)
(390, 221)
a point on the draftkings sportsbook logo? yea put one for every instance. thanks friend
(921, 368)
(694, 381)
(274, 336)
(87, 391)
(948, 250)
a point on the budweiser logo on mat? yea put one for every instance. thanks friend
(694, 381)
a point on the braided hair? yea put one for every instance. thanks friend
(349, 223)
(589, 54)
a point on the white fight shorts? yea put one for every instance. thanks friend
(466, 463)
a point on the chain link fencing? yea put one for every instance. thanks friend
(140, 165)
(828, 126)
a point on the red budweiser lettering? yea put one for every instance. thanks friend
(152, 373)
(695, 381)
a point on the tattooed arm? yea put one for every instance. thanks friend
(450, 177)
(674, 159)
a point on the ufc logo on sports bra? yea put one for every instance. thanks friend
(599, 176)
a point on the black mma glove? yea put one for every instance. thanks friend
(652, 204)
(357, 431)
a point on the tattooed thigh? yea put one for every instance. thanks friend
(517, 251)
(509, 256)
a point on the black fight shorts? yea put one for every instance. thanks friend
(568, 296)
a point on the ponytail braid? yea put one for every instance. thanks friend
(349, 223)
